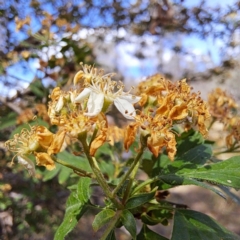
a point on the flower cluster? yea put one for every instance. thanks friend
(80, 115)
(163, 105)
(38, 141)
(100, 92)
(224, 108)
(221, 105)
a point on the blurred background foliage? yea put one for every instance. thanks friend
(42, 43)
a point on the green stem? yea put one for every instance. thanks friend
(136, 160)
(231, 150)
(143, 184)
(130, 183)
(99, 176)
(84, 173)
(111, 225)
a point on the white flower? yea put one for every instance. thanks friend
(101, 94)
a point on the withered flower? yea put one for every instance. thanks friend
(38, 141)
(157, 129)
(234, 129)
(221, 105)
(61, 105)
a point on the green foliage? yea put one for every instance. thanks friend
(189, 224)
(75, 208)
(129, 223)
(148, 234)
(102, 218)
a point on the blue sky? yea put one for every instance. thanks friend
(134, 68)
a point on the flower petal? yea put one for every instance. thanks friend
(43, 159)
(59, 104)
(130, 98)
(95, 104)
(84, 94)
(125, 107)
(28, 164)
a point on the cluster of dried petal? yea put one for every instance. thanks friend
(29, 114)
(157, 129)
(221, 105)
(38, 141)
(152, 87)
(176, 102)
(61, 105)
(165, 104)
(115, 135)
(234, 132)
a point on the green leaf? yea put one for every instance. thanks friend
(76, 207)
(157, 213)
(148, 234)
(83, 189)
(149, 220)
(48, 175)
(8, 121)
(187, 141)
(192, 225)
(37, 88)
(64, 174)
(102, 218)
(170, 180)
(139, 199)
(197, 155)
(226, 172)
(77, 161)
(191, 159)
(111, 236)
(129, 222)
(147, 166)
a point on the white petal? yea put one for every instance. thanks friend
(125, 107)
(59, 104)
(130, 98)
(84, 94)
(28, 164)
(95, 104)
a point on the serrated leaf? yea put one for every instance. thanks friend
(191, 159)
(83, 189)
(197, 155)
(225, 173)
(139, 199)
(171, 180)
(102, 218)
(75, 208)
(129, 223)
(148, 234)
(187, 141)
(192, 225)
(74, 211)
